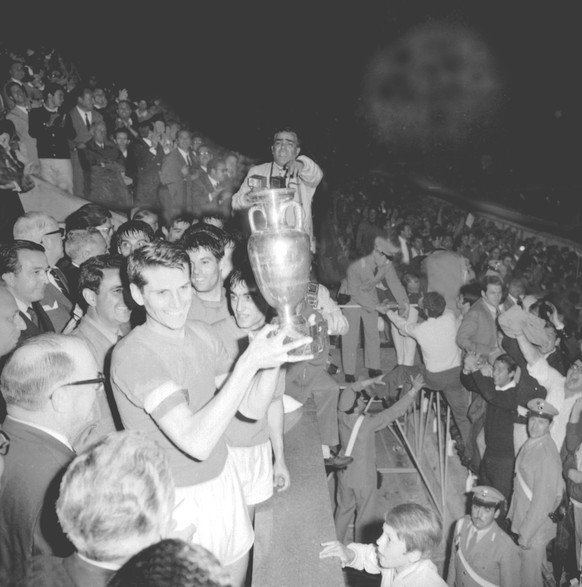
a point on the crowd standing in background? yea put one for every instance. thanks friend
(121, 322)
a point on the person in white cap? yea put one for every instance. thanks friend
(483, 554)
(537, 491)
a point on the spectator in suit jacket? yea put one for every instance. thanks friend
(212, 192)
(11, 323)
(149, 156)
(100, 105)
(122, 138)
(44, 230)
(105, 165)
(80, 119)
(177, 175)
(126, 119)
(80, 246)
(23, 267)
(47, 125)
(15, 179)
(49, 385)
(20, 117)
(17, 73)
(108, 522)
(478, 330)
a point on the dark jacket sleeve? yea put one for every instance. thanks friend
(506, 400)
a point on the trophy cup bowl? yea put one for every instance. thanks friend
(280, 255)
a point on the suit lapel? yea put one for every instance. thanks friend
(44, 322)
(31, 328)
(63, 281)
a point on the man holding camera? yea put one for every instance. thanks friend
(288, 169)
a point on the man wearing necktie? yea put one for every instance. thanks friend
(483, 554)
(23, 267)
(79, 121)
(297, 171)
(176, 176)
(44, 230)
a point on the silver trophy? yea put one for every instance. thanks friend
(280, 256)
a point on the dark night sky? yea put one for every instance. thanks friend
(236, 70)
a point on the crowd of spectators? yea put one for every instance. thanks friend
(99, 320)
(95, 139)
(549, 268)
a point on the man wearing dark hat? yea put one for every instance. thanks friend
(483, 554)
(537, 491)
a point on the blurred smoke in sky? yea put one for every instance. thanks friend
(431, 88)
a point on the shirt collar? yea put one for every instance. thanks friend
(22, 306)
(504, 387)
(103, 565)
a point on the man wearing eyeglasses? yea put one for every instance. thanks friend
(288, 169)
(40, 228)
(50, 385)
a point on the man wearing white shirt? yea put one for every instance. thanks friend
(149, 156)
(442, 357)
(23, 268)
(50, 386)
(211, 190)
(296, 171)
(177, 175)
(19, 116)
(80, 118)
(43, 229)
(17, 74)
(562, 391)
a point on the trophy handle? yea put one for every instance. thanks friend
(298, 213)
(252, 216)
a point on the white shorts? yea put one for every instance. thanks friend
(218, 511)
(254, 465)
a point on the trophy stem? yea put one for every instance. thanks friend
(286, 316)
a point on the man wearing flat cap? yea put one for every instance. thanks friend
(483, 554)
(537, 491)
